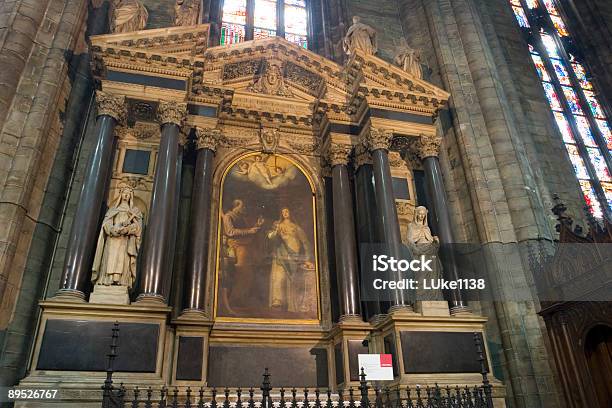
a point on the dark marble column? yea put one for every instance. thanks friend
(85, 226)
(197, 255)
(379, 141)
(365, 213)
(344, 233)
(158, 241)
(429, 148)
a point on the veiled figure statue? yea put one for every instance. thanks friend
(291, 265)
(422, 242)
(360, 36)
(409, 59)
(186, 12)
(128, 16)
(119, 241)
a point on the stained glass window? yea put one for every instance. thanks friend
(569, 92)
(266, 20)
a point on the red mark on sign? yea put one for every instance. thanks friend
(385, 360)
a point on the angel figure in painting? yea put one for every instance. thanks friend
(291, 265)
(127, 16)
(261, 171)
(422, 242)
(119, 242)
(361, 37)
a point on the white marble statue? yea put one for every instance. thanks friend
(128, 16)
(409, 59)
(422, 242)
(119, 241)
(360, 36)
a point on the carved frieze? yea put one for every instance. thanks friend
(171, 112)
(207, 138)
(111, 105)
(307, 79)
(241, 69)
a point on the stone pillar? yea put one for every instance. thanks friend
(429, 148)
(158, 240)
(344, 232)
(197, 255)
(378, 142)
(365, 208)
(85, 226)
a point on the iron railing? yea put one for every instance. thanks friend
(364, 396)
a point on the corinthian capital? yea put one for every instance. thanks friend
(111, 105)
(207, 138)
(362, 156)
(171, 112)
(338, 154)
(378, 139)
(429, 146)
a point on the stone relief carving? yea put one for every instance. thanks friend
(271, 82)
(241, 69)
(208, 138)
(127, 16)
(171, 112)
(119, 241)
(140, 131)
(429, 146)
(186, 12)
(379, 139)
(304, 77)
(269, 138)
(409, 59)
(361, 37)
(111, 105)
(338, 154)
(421, 242)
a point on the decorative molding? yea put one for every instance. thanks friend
(171, 112)
(207, 138)
(429, 146)
(379, 139)
(111, 105)
(362, 156)
(338, 153)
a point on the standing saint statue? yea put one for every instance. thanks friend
(186, 12)
(291, 265)
(119, 242)
(360, 36)
(409, 60)
(422, 242)
(128, 16)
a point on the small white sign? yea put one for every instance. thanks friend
(377, 367)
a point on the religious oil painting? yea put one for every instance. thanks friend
(267, 259)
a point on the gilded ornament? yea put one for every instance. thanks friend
(111, 105)
(338, 154)
(171, 112)
(429, 146)
(379, 139)
(207, 138)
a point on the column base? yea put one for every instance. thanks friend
(350, 338)
(69, 295)
(151, 298)
(401, 309)
(460, 310)
(193, 314)
(352, 318)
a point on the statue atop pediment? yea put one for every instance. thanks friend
(409, 59)
(271, 81)
(361, 37)
(127, 16)
(186, 12)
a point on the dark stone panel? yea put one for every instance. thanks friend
(346, 129)
(136, 161)
(81, 345)
(389, 343)
(404, 117)
(400, 189)
(200, 110)
(355, 347)
(339, 364)
(190, 358)
(243, 366)
(439, 352)
(147, 80)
